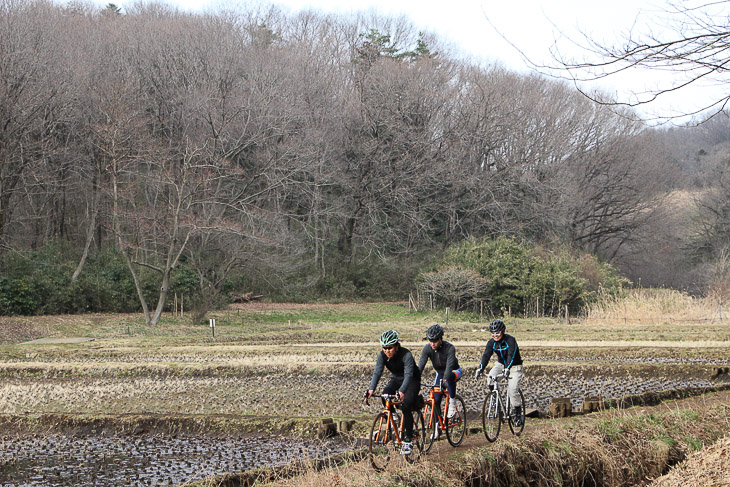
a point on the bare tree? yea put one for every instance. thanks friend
(31, 79)
(690, 40)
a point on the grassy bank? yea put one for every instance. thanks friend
(613, 448)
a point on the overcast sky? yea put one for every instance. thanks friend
(479, 28)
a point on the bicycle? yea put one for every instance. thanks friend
(388, 432)
(455, 427)
(496, 409)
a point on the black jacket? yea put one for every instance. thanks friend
(401, 365)
(508, 353)
(443, 359)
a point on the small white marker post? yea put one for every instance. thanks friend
(212, 325)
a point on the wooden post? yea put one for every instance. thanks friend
(182, 308)
(447, 315)
(481, 310)
(174, 309)
(567, 316)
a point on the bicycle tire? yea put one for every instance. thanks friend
(491, 416)
(380, 442)
(419, 430)
(433, 428)
(516, 430)
(456, 426)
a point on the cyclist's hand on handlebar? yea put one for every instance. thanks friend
(478, 373)
(368, 395)
(443, 385)
(401, 396)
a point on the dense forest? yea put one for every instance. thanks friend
(310, 155)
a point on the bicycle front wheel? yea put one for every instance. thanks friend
(432, 427)
(456, 424)
(517, 423)
(491, 416)
(419, 434)
(380, 442)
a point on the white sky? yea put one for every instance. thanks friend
(531, 25)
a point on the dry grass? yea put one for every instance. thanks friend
(655, 306)
(709, 467)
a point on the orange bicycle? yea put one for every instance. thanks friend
(437, 420)
(388, 432)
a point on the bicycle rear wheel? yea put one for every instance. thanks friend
(380, 442)
(491, 416)
(517, 430)
(456, 425)
(419, 437)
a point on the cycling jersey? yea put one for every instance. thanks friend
(401, 365)
(508, 353)
(443, 359)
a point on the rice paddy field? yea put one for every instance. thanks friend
(269, 371)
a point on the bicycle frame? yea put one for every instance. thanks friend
(455, 427)
(430, 416)
(496, 410)
(391, 400)
(388, 433)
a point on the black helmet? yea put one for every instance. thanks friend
(434, 332)
(496, 326)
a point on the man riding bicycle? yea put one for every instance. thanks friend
(443, 359)
(405, 380)
(509, 362)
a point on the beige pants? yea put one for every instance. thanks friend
(513, 386)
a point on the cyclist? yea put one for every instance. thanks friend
(405, 380)
(509, 362)
(443, 359)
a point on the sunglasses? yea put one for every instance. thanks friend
(388, 348)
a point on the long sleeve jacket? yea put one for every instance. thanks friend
(443, 359)
(401, 365)
(508, 353)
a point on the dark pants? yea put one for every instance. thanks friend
(450, 384)
(409, 402)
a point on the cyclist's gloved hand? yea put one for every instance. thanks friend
(506, 373)
(478, 373)
(368, 395)
(442, 385)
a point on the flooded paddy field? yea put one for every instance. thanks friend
(58, 460)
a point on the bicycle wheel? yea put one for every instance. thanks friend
(517, 430)
(419, 437)
(432, 429)
(491, 416)
(456, 425)
(380, 442)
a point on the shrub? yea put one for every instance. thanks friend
(517, 276)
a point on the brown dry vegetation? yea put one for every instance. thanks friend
(708, 467)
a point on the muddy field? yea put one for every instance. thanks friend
(83, 411)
